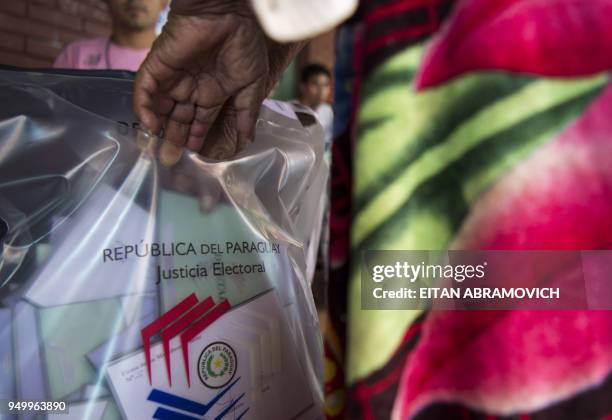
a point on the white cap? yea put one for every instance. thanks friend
(297, 20)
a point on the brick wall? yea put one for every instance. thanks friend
(321, 50)
(33, 32)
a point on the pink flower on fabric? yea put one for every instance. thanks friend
(511, 362)
(545, 37)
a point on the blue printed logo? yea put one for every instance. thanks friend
(174, 407)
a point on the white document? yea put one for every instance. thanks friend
(108, 219)
(124, 342)
(7, 376)
(271, 336)
(226, 367)
(282, 108)
(30, 368)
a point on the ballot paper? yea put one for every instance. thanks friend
(68, 334)
(229, 373)
(222, 225)
(129, 339)
(78, 248)
(85, 393)
(270, 338)
(7, 377)
(137, 306)
(283, 108)
(125, 342)
(30, 368)
(261, 343)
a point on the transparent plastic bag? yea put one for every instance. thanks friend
(133, 290)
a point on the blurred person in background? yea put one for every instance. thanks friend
(134, 30)
(314, 90)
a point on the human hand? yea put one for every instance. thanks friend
(206, 76)
(183, 174)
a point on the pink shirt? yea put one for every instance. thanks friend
(100, 54)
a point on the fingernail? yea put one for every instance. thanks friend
(143, 139)
(170, 154)
(207, 203)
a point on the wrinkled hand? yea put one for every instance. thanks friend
(206, 76)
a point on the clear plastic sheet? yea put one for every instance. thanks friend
(129, 289)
